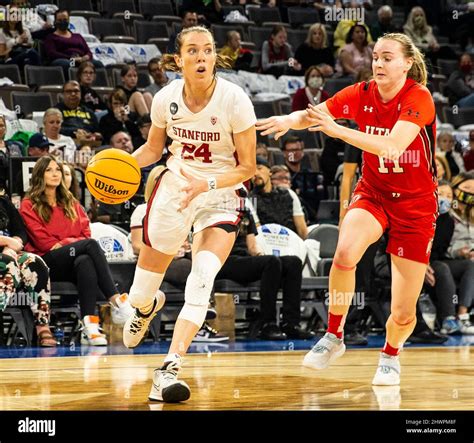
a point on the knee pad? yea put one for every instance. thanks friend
(194, 313)
(145, 286)
(200, 281)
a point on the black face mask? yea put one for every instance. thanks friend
(62, 25)
(465, 197)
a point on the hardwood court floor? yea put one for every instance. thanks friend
(432, 378)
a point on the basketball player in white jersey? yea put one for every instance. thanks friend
(212, 126)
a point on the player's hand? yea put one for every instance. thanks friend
(194, 187)
(430, 276)
(322, 122)
(278, 124)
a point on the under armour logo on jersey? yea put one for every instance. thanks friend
(410, 112)
(368, 108)
(395, 194)
(213, 120)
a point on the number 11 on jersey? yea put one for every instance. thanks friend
(397, 169)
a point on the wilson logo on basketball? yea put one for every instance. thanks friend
(110, 189)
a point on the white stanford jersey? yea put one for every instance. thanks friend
(203, 142)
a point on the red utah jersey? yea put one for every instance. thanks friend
(414, 173)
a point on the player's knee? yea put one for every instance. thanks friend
(345, 257)
(200, 281)
(194, 313)
(403, 316)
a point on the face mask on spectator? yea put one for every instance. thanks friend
(315, 82)
(465, 197)
(62, 25)
(444, 205)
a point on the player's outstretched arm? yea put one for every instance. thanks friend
(280, 124)
(152, 150)
(389, 146)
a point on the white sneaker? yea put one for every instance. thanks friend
(388, 371)
(326, 350)
(137, 324)
(90, 333)
(166, 386)
(122, 311)
(466, 326)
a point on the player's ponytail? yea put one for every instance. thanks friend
(168, 62)
(418, 70)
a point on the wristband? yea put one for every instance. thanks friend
(211, 183)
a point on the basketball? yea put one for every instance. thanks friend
(113, 176)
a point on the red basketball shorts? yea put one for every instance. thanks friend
(409, 222)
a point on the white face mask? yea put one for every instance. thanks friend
(315, 82)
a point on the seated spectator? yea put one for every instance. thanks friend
(208, 12)
(469, 155)
(342, 31)
(144, 126)
(384, 24)
(138, 102)
(8, 149)
(189, 19)
(38, 145)
(315, 50)
(442, 168)
(293, 152)
(70, 180)
(446, 147)
(280, 176)
(65, 48)
(56, 225)
(62, 146)
(247, 263)
(79, 122)
(23, 272)
(417, 28)
(121, 140)
(240, 58)
(276, 54)
(356, 54)
(262, 151)
(159, 76)
(119, 117)
(460, 85)
(86, 76)
(276, 205)
(16, 43)
(438, 273)
(312, 93)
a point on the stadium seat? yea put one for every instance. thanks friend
(101, 78)
(327, 236)
(334, 85)
(298, 16)
(145, 30)
(120, 39)
(110, 7)
(328, 211)
(36, 76)
(264, 109)
(220, 33)
(445, 67)
(12, 72)
(458, 116)
(28, 102)
(227, 9)
(106, 27)
(6, 93)
(296, 37)
(69, 5)
(260, 15)
(258, 35)
(149, 8)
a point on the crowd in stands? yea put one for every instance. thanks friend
(293, 177)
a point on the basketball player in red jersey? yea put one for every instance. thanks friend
(396, 193)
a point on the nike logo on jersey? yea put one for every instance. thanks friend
(176, 118)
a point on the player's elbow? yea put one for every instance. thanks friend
(248, 171)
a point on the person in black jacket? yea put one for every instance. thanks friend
(119, 118)
(24, 277)
(247, 263)
(460, 85)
